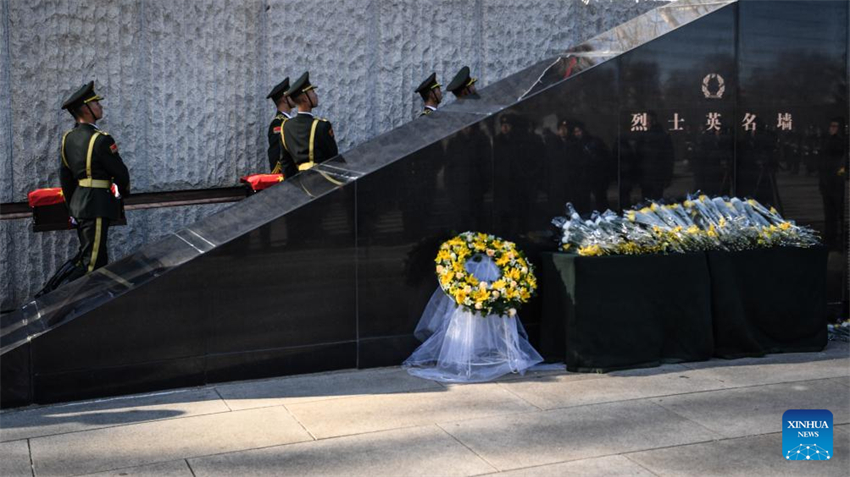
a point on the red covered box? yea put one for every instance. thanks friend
(258, 182)
(50, 213)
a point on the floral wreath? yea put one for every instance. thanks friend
(721, 86)
(515, 286)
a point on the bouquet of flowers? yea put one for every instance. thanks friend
(839, 331)
(698, 224)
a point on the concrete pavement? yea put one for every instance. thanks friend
(711, 418)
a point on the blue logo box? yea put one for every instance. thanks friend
(807, 434)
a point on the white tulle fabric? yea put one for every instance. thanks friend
(462, 347)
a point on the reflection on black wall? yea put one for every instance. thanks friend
(676, 112)
(792, 68)
(739, 102)
(750, 100)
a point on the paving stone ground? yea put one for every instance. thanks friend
(719, 417)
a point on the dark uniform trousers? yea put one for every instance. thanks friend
(90, 166)
(93, 238)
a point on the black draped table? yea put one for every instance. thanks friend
(617, 312)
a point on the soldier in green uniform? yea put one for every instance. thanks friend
(308, 140)
(284, 106)
(90, 166)
(431, 94)
(463, 85)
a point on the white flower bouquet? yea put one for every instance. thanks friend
(698, 224)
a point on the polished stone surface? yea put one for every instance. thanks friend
(331, 269)
(781, 147)
(288, 283)
(405, 211)
(16, 378)
(665, 146)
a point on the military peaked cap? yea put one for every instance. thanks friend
(461, 80)
(300, 86)
(507, 119)
(279, 90)
(83, 95)
(429, 84)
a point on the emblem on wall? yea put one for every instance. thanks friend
(713, 86)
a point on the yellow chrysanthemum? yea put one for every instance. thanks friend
(461, 297)
(590, 251)
(517, 281)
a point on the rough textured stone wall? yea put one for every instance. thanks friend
(6, 171)
(185, 84)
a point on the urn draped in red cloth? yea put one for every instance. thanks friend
(43, 197)
(258, 182)
(52, 195)
(49, 211)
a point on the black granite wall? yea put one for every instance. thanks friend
(307, 276)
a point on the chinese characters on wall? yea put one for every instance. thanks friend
(713, 121)
(713, 87)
